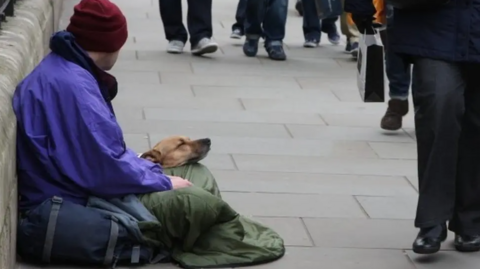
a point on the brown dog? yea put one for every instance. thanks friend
(175, 151)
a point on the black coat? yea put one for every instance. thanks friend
(450, 32)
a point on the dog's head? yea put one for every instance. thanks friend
(178, 150)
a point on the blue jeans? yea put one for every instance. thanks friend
(266, 18)
(240, 16)
(312, 26)
(398, 71)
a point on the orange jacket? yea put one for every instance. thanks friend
(380, 16)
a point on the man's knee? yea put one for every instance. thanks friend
(439, 84)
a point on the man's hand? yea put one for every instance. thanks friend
(178, 182)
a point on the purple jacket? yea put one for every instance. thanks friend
(69, 143)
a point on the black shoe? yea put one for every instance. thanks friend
(276, 53)
(348, 47)
(429, 240)
(299, 7)
(250, 47)
(467, 243)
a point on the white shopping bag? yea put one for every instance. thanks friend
(371, 70)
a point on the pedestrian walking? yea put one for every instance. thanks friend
(313, 26)
(266, 18)
(398, 73)
(199, 22)
(440, 41)
(238, 27)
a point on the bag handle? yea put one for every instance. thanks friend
(51, 226)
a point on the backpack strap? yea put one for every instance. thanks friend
(52, 225)
(112, 242)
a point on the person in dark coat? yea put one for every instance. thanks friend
(443, 44)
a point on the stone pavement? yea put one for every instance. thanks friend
(293, 145)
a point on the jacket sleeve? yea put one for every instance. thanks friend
(360, 7)
(88, 147)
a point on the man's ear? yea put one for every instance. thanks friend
(152, 155)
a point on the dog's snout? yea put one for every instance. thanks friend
(207, 141)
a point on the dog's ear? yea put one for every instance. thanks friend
(152, 155)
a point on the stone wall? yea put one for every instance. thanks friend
(23, 43)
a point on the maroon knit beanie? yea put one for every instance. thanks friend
(99, 26)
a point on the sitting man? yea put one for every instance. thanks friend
(70, 145)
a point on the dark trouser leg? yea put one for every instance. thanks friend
(199, 19)
(328, 25)
(254, 15)
(438, 90)
(240, 15)
(171, 13)
(275, 21)
(311, 23)
(466, 219)
(398, 71)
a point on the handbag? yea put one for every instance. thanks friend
(370, 69)
(328, 8)
(417, 4)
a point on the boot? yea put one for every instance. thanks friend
(392, 120)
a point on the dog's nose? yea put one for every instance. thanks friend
(207, 141)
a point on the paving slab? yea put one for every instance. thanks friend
(325, 165)
(444, 260)
(389, 207)
(201, 129)
(302, 131)
(312, 183)
(364, 233)
(298, 205)
(234, 114)
(292, 147)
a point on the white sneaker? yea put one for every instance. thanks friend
(205, 45)
(236, 34)
(311, 43)
(175, 47)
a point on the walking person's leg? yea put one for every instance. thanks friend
(274, 28)
(466, 220)
(398, 74)
(351, 32)
(254, 14)
(438, 93)
(330, 28)
(299, 7)
(199, 20)
(311, 24)
(238, 27)
(175, 32)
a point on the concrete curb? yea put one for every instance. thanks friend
(23, 43)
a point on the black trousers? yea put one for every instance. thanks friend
(240, 16)
(447, 121)
(199, 20)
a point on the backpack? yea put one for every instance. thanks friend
(60, 231)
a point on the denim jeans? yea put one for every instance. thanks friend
(266, 18)
(199, 20)
(398, 71)
(312, 26)
(240, 16)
